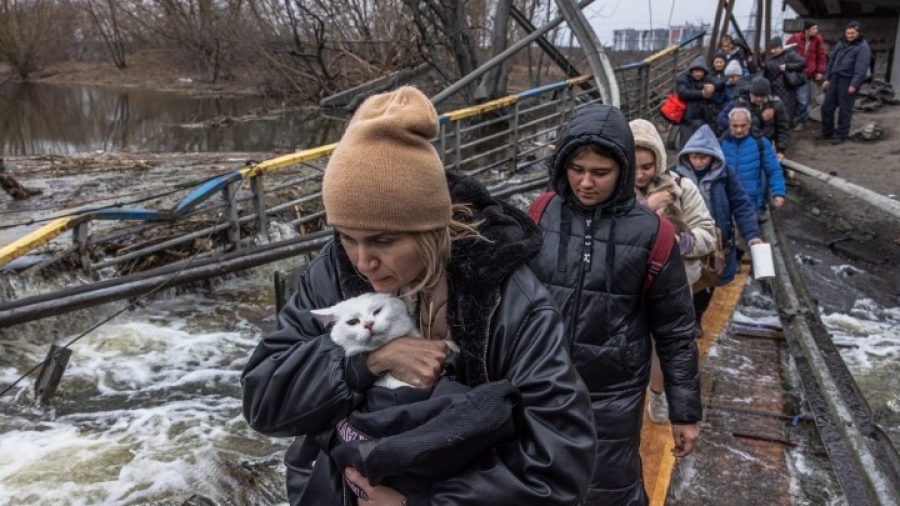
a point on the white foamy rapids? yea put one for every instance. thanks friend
(148, 409)
(868, 336)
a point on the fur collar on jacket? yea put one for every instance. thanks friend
(476, 271)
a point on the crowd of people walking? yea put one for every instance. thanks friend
(542, 335)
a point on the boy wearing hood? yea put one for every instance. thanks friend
(703, 162)
(597, 242)
(696, 89)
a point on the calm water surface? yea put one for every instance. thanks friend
(38, 119)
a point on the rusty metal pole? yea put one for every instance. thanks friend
(514, 139)
(759, 19)
(729, 9)
(768, 29)
(231, 214)
(714, 40)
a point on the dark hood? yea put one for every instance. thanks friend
(698, 63)
(606, 127)
(513, 238)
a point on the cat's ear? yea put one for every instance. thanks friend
(324, 316)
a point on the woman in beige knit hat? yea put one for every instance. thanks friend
(680, 200)
(405, 226)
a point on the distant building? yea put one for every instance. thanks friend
(657, 39)
(631, 39)
(678, 33)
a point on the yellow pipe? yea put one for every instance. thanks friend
(653, 57)
(482, 108)
(288, 160)
(37, 238)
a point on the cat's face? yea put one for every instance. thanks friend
(367, 322)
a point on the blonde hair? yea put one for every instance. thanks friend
(435, 246)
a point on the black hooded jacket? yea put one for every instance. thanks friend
(593, 261)
(690, 91)
(298, 382)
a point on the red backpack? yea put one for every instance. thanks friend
(659, 255)
(673, 108)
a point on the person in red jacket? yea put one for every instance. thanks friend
(811, 46)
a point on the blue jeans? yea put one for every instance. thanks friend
(802, 95)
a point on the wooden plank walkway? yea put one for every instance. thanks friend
(656, 439)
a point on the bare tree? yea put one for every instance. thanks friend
(443, 27)
(106, 18)
(26, 29)
(204, 27)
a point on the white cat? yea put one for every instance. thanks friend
(366, 323)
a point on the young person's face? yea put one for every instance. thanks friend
(593, 177)
(699, 161)
(775, 51)
(388, 260)
(719, 64)
(733, 79)
(851, 34)
(645, 169)
(813, 31)
(698, 74)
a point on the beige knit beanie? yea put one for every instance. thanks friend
(384, 174)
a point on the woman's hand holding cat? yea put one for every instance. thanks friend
(659, 200)
(412, 360)
(380, 495)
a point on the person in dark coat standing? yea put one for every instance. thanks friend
(597, 241)
(811, 46)
(780, 63)
(696, 89)
(405, 226)
(847, 69)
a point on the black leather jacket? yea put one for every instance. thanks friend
(298, 381)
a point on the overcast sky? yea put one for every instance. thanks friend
(608, 15)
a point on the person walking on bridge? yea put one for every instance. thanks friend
(847, 68)
(811, 46)
(594, 261)
(754, 160)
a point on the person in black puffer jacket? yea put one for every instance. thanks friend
(779, 62)
(597, 241)
(406, 226)
(696, 89)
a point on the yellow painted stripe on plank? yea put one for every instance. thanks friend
(287, 160)
(482, 108)
(36, 239)
(653, 57)
(575, 81)
(715, 321)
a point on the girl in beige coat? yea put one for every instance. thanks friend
(679, 200)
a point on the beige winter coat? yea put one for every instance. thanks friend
(688, 210)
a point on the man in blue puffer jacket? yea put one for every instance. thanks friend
(754, 161)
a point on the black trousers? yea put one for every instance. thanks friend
(701, 302)
(837, 97)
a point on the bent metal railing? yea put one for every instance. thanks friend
(499, 138)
